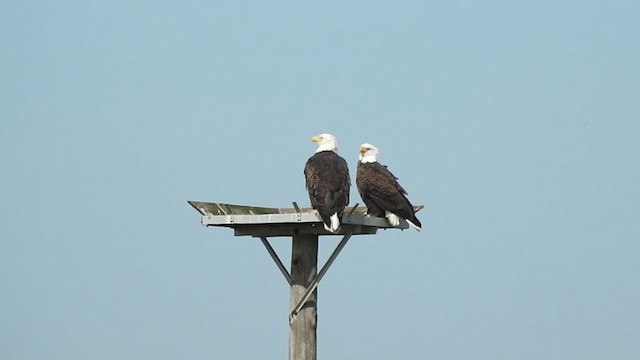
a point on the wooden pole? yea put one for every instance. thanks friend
(302, 329)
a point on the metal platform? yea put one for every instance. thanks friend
(304, 226)
(268, 222)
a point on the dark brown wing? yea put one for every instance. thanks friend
(381, 192)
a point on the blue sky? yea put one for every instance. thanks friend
(516, 124)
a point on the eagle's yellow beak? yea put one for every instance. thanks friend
(362, 149)
(315, 139)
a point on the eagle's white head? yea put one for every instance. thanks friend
(368, 153)
(326, 142)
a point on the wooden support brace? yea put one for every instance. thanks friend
(276, 259)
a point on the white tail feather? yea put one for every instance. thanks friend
(413, 225)
(394, 220)
(335, 224)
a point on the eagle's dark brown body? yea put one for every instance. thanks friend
(328, 182)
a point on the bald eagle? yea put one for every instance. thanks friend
(327, 181)
(380, 190)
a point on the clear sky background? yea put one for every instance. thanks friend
(516, 124)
